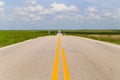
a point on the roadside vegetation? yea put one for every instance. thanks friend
(8, 37)
(112, 36)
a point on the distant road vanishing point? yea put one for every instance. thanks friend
(70, 57)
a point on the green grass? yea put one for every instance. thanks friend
(8, 37)
(112, 36)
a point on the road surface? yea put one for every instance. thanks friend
(85, 59)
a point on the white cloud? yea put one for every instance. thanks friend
(118, 9)
(55, 7)
(64, 17)
(107, 14)
(31, 2)
(92, 9)
(34, 17)
(37, 8)
(29, 12)
(2, 3)
(94, 14)
(47, 11)
(33, 11)
(72, 16)
(59, 8)
(91, 15)
(116, 14)
(2, 6)
(94, 1)
(36, 11)
(98, 17)
(19, 11)
(2, 9)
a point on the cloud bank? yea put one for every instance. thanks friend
(34, 11)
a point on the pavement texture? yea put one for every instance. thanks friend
(86, 59)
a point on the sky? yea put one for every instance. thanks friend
(59, 14)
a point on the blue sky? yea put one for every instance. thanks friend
(59, 14)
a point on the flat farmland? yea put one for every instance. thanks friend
(8, 37)
(112, 36)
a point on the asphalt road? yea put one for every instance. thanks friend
(86, 59)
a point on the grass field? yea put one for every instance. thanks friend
(112, 36)
(8, 37)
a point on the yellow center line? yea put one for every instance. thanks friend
(65, 66)
(55, 70)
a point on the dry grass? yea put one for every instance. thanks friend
(112, 36)
(109, 38)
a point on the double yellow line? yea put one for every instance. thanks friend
(55, 70)
(56, 66)
(65, 67)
